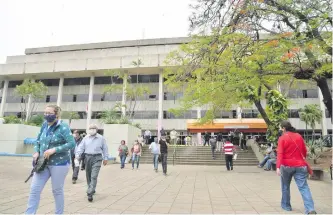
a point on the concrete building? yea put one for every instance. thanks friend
(77, 74)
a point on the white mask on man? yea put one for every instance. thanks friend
(92, 132)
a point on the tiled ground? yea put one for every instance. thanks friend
(187, 189)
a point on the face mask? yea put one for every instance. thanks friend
(50, 118)
(92, 132)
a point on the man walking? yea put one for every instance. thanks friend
(164, 153)
(206, 138)
(212, 142)
(173, 137)
(219, 141)
(96, 151)
(229, 150)
(75, 163)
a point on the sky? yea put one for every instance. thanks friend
(39, 23)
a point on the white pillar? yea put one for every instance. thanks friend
(323, 109)
(239, 112)
(160, 104)
(90, 99)
(4, 97)
(123, 101)
(60, 90)
(198, 134)
(29, 104)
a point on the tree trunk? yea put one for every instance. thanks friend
(262, 112)
(327, 96)
(306, 132)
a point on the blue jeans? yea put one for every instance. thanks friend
(122, 161)
(269, 163)
(266, 158)
(135, 158)
(300, 175)
(155, 160)
(58, 175)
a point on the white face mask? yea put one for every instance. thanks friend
(92, 132)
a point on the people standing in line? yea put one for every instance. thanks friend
(147, 136)
(156, 151)
(219, 141)
(229, 150)
(173, 137)
(212, 142)
(75, 164)
(123, 153)
(136, 153)
(53, 143)
(291, 163)
(164, 154)
(96, 152)
(206, 138)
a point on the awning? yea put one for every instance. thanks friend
(225, 125)
(29, 141)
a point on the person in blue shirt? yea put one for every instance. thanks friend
(54, 142)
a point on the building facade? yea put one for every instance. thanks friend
(76, 76)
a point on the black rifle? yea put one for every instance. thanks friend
(34, 167)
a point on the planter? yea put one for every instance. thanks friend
(115, 133)
(12, 138)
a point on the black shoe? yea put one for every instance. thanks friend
(90, 198)
(82, 169)
(232, 168)
(74, 181)
(312, 212)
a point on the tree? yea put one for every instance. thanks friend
(30, 92)
(310, 114)
(70, 116)
(132, 92)
(304, 24)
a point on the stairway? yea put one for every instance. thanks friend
(200, 155)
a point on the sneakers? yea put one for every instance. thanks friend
(90, 198)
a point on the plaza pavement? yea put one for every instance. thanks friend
(187, 189)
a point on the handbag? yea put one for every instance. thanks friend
(310, 171)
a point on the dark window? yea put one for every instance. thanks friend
(47, 98)
(83, 115)
(74, 98)
(293, 113)
(247, 113)
(76, 81)
(50, 82)
(82, 98)
(0, 99)
(116, 80)
(255, 113)
(304, 94)
(22, 100)
(312, 93)
(148, 78)
(152, 97)
(134, 79)
(103, 80)
(327, 114)
(234, 114)
(13, 84)
(98, 97)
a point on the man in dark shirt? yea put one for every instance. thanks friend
(164, 153)
(206, 138)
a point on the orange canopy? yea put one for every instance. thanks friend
(244, 125)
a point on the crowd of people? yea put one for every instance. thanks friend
(55, 140)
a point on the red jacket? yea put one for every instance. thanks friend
(288, 153)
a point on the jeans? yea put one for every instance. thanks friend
(122, 161)
(164, 157)
(229, 162)
(219, 146)
(262, 163)
(269, 163)
(300, 175)
(155, 160)
(58, 175)
(136, 158)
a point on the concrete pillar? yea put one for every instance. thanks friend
(29, 105)
(199, 134)
(123, 101)
(239, 112)
(160, 104)
(90, 100)
(323, 109)
(4, 97)
(60, 90)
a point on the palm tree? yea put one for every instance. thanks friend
(310, 114)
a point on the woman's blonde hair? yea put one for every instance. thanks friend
(57, 109)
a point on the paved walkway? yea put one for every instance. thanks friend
(187, 189)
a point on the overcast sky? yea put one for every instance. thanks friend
(38, 23)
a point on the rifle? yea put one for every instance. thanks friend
(34, 167)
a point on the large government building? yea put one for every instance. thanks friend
(76, 76)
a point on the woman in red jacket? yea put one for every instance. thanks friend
(291, 163)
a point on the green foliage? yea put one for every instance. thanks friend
(311, 114)
(70, 116)
(113, 116)
(34, 90)
(12, 119)
(277, 110)
(315, 149)
(36, 120)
